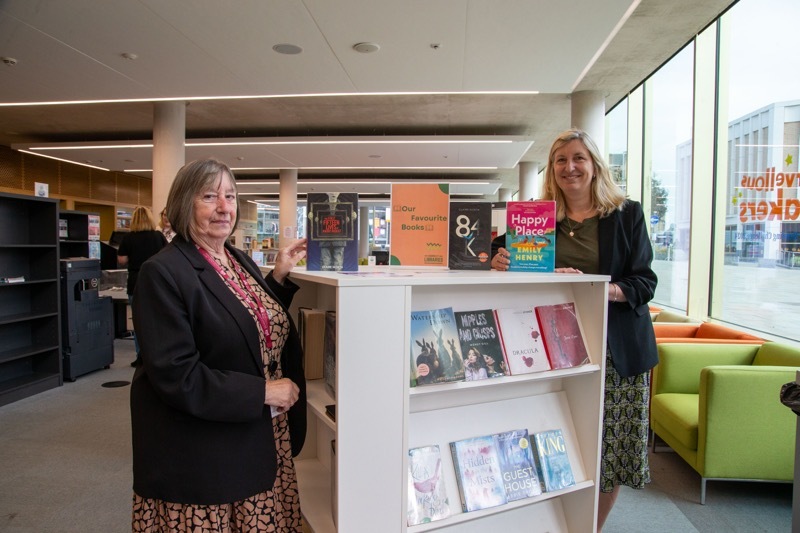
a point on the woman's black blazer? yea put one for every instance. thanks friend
(201, 432)
(626, 255)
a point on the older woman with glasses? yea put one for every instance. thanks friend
(218, 406)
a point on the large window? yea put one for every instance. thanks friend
(761, 180)
(667, 173)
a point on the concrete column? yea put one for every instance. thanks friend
(287, 216)
(529, 187)
(363, 231)
(169, 151)
(504, 194)
(589, 114)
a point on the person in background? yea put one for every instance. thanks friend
(165, 226)
(136, 247)
(218, 407)
(601, 232)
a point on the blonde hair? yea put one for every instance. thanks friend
(607, 196)
(142, 220)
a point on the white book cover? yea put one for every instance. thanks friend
(523, 347)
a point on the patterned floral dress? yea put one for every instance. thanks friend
(276, 510)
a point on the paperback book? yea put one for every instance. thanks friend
(531, 235)
(435, 351)
(561, 332)
(332, 232)
(522, 344)
(517, 464)
(470, 228)
(478, 334)
(329, 353)
(478, 474)
(552, 460)
(427, 495)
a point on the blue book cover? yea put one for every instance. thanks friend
(478, 474)
(552, 460)
(435, 350)
(332, 232)
(517, 464)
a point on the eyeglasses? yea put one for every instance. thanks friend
(213, 198)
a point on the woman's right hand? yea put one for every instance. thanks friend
(281, 393)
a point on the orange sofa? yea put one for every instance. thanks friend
(704, 333)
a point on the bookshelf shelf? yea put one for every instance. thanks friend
(379, 417)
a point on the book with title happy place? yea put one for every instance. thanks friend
(478, 473)
(531, 235)
(522, 343)
(435, 350)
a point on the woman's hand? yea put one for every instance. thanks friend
(501, 260)
(288, 258)
(282, 394)
(568, 270)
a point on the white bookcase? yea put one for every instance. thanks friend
(379, 417)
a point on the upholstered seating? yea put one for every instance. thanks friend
(718, 406)
(704, 333)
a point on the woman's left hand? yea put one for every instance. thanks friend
(288, 258)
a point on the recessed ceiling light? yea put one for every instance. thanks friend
(288, 49)
(129, 55)
(366, 48)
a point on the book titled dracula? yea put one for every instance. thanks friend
(332, 232)
(552, 460)
(521, 340)
(531, 235)
(477, 332)
(427, 496)
(562, 335)
(435, 350)
(517, 464)
(470, 236)
(478, 474)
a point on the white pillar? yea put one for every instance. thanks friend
(169, 152)
(589, 115)
(363, 231)
(529, 181)
(504, 194)
(287, 216)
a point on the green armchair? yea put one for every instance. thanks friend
(718, 406)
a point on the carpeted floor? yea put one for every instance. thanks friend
(65, 467)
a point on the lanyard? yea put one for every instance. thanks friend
(245, 292)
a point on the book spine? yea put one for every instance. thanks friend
(502, 342)
(457, 468)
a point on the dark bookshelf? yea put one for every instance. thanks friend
(30, 344)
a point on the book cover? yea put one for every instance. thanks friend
(332, 232)
(427, 495)
(531, 235)
(329, 353)
(517, 464)
(522, 344)
(480, 482)
(552, 460)
(477, 332)
(435, 351)
(419, 227)
(561, 335)
(470, 230)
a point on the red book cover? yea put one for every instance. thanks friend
(561, 332)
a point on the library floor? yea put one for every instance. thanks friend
(65, 466)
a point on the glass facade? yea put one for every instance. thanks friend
(755, 234)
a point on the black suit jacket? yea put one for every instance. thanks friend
(201, 432)
(625, 255)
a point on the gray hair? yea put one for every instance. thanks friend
(191, 181)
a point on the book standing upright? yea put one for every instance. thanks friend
(332, 232)
(522, 343)
(561, 333)
(531, 235)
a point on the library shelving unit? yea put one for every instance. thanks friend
(379, 417)
(30, 347)
(74, 238)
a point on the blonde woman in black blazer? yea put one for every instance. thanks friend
(218, 407)
(600, 232)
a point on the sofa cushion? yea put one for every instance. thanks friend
(707, 330)
(669, 316)
(777, 354)
(678, 414)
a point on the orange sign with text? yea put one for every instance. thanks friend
(419, 231)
